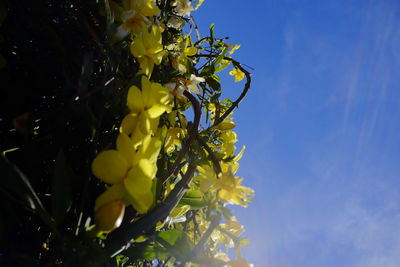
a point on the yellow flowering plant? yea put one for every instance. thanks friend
(153, 174)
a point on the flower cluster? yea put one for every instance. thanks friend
(156, 145)
(131, 167)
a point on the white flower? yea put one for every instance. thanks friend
(184, 7)
(193, 82)
(177, 88)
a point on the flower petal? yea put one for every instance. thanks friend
(110, 216)
(129, 123)
(126, 146)
(113, 193)
(135, 99)
(110, 166)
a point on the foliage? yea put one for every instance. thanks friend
(117, 147)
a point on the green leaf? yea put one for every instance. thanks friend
(183, 247)
(151, 253)
(216, 77)
(121, 260)
(15, 183)
(221, 67)
(170, 236)
(208, 70)
(194, 198)
(61, 188)
(213, 82)
(212, 36)
(221, 56)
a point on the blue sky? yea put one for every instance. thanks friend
(322, 128)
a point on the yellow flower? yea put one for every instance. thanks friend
(228, 140)
(184, 49)
(134, 16)
(145, 7)
(234, 48)
(173, 139)
(187, 47)
(147, 48)
(233, 227)
(153, 98)
(109, 216)
(228, 186)
(146, 106)
(132, 22)
(110, 166)
(238, 74)
(129, 171)
(230, 189)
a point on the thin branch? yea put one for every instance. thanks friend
(214, 160)
(192, 136)
(198, 36)
(123, 237)
(242, 95)
(214, 223)
(245, 90)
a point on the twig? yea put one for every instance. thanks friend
(217, 166)
(124, 236)
(198, 36)
(246, 87)
(214, 223)
(192, 136)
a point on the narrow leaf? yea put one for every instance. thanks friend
(61, 188)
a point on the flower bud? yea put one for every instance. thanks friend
(110, 216)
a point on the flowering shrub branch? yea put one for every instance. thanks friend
(137, 182)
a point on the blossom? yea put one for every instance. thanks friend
(173, 138)
(180, 85)
(147, 48)
(227, 123)
(146, 106)
(227, 185)
(109, 216)
(145, 7)
(234, 48)
(184, 49)
(131, 167)
(129, 171)
(233, 227)
(231, 190)
(237, 73)
(192, 83)
(134, 15)
(132, 22)
(228, 140)
(184, 7)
